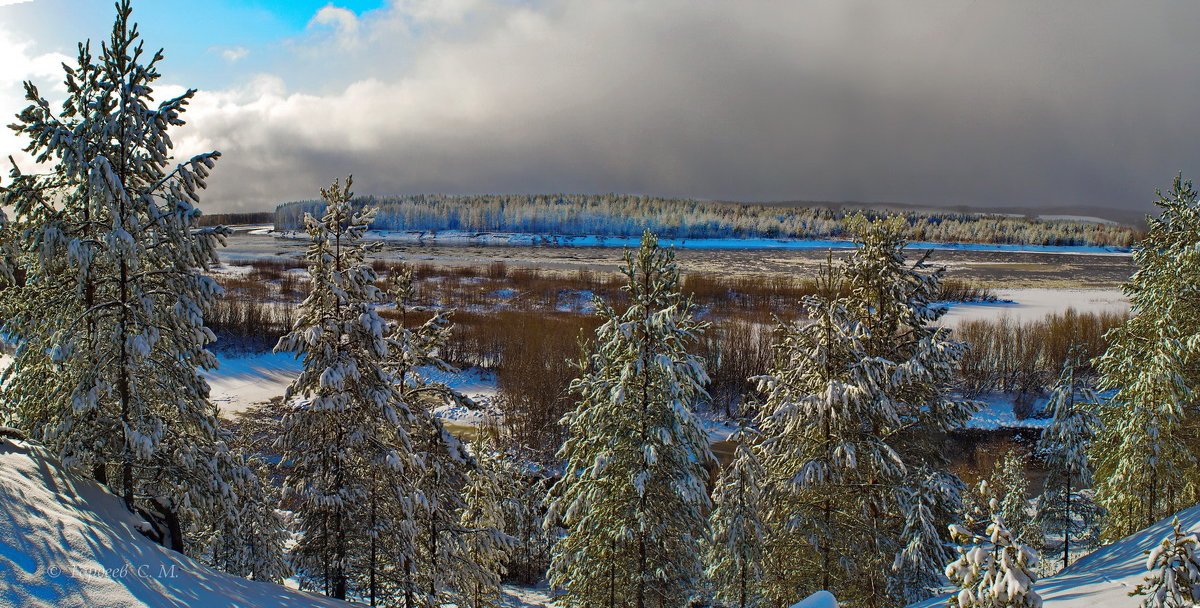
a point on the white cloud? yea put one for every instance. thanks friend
(21, 63)
(231, 54)
(340, 25)
(932, 101)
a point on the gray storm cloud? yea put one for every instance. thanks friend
(991, 102)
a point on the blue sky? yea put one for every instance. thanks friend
(193, 33)
(938, 102)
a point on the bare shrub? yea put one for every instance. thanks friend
(735, 350)
(956, 290)
(1023, 357)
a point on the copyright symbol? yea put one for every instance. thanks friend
(53, 571)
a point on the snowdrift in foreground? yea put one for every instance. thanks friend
(67, 542)
(820, 599)
(1104, 578)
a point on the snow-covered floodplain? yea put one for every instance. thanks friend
(242, 381)
(69, 542)
(1104, 578)
(1035, 303)
(994, 268)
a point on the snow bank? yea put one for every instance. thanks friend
(243, 380)
(820, 599)
(1104, 578)
(239, 382)
(68, 542)
(1035, 304)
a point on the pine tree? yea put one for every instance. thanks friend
(531, 555)
(1063, 508)
(976, 511)
(1011, 484)
(993, 570)
(251, 539)
(918, 565)
(1145, 458)
(109, 318)
(1176, 584)
(632, 497)
(488, 499)
(824, 422)
(734, 553)
(439, 555)
(346, 434)
(849, 411)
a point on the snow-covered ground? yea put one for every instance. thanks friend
(244, 380)
(524, 597)
(820, 599)
(1034, 304)
(1104, 578)
(718, 427)
(998, 413)
(457, 237)
(68, 542)
(521, 597)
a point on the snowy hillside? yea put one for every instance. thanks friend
(1104, 578)
(68, 542)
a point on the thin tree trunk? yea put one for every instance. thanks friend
(325, 553)
(410, 583)
(123, 389)
(339, 564)
(1069, 522)
(645, 341)
(374, 538)
(826, 561)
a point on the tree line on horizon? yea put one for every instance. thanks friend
(620, 215)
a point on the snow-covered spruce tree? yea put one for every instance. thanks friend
(344, 443)
(1174, 564)
(824, 427)
(1064, 509)
(251, 539)
(992, 571)
(917, 573)
(738, 532)
(1011, 486)
(440, 557)
(632, 497)
(895, 298)
(976, 511)
(109, 317)
(1145, 456)
(849, 413)
(531, 556)
(488, 498)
